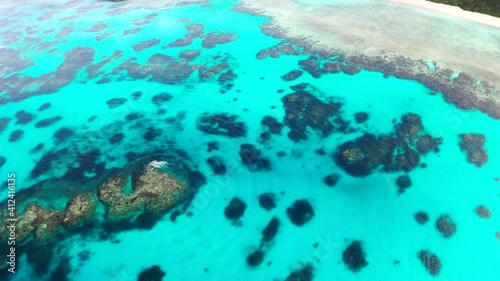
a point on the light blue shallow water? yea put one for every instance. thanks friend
(367, 209)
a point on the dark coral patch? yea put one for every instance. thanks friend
(255, 258)
(47, 122)
(131, 31)
(161, 98)
(221, 124)
(306, 273)
(16, 135)
(45, 163)
(421, 217)
(267, 201)
(189, 54)
(97, 27)
(2, 161)
(146, 44)
(136, 95)
(446, 226)
(24, 117)
(430, 261)
(152, 133)
(116, 102)
(271, 229)
(195, 27)
(272, 124)
(37, 148)
(252, 158)
(213, 39)
(303, 110)
(133, 116)
(483, 212)
(331, 180)
(354, 257)
(403, 183)
(181, 42)
(217, 165)
(153, 273)
(158, 69)
(361, 117)
(3, 123)
(213, 145)
(89, 167)
(292, 75)
(235, 209)
(62, 270)
(283, 48)
(62, 134)
(395, 152)
(473, 146)
(300, 212)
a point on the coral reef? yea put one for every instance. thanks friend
(161, 98)
(331, 180)
(255, 258)
(300, 212)
(473, 146)
(154, 273)
(44, 106)
(146, 44)
(303, 110)
(153, 190)
(217, 165)
(361, 117)
(252, 158)
(399, 151)
(235, 210)
(47, 122)
(306, 273)
(40, 223)
(446, 226)
(271, 229)
(221, 124)
(403, 183)
(430, 261)
(267, 201)
(354, 257)
(482, 212)
(213, 39)
(24, 117)
(116, 102)
(421, 217)
(292, 75)
(4, 121)
(16, 135)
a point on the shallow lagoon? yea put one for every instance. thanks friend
(204, 244)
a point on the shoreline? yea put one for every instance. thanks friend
(397, 40)
(452, 11)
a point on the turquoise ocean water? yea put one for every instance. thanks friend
(205, 245)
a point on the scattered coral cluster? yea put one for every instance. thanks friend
(398, 152)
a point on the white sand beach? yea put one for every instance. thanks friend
(452, 11)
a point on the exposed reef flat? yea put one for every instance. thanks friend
(395, 39)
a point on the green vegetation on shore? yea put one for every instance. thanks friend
(490, 7)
